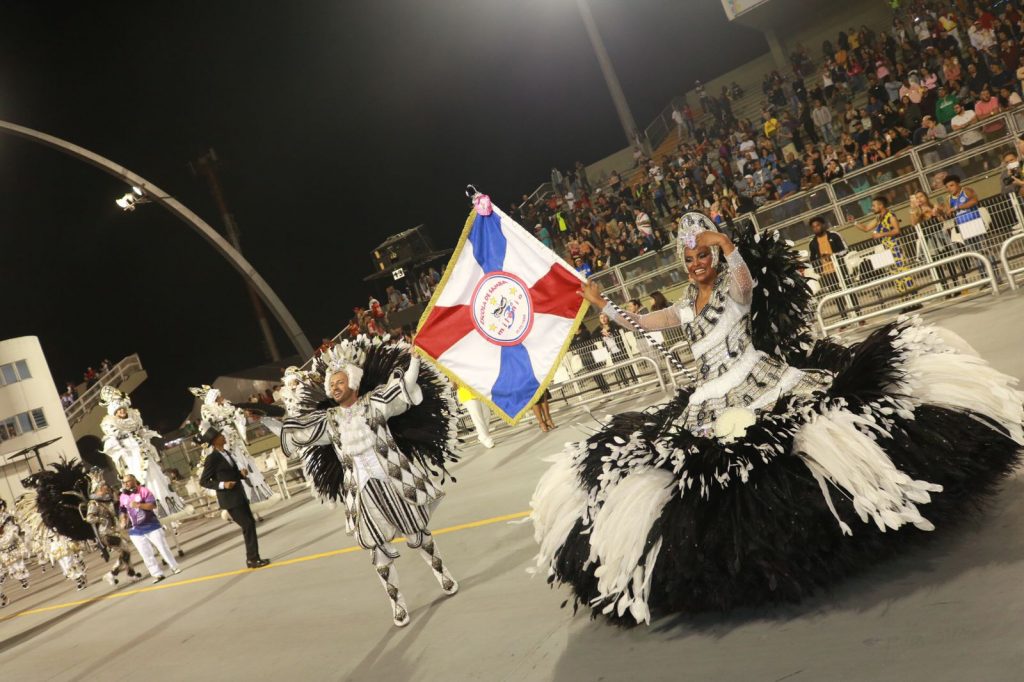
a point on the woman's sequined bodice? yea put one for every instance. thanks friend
(730, 371)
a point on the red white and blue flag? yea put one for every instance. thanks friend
(503, 315)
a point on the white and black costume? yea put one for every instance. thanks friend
(786, 467)
(127, 441)
(100, 512)
(225, 418)
(13, 551)
(378, 455)
(50, 513)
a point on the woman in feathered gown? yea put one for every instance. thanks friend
(787, 466)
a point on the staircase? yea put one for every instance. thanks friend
(84, 415)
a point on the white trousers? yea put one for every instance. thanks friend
(148, 545)
(478, 414)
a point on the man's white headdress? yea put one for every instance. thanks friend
(690, 226)
(205, 393)
(114, 399)
(348, 357)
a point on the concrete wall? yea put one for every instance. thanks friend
(37, 392)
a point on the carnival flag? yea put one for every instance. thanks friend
(503, 315)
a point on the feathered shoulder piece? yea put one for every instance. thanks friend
(302, 391)
(59, 492)
(782, 299)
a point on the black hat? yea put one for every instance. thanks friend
(209, 435)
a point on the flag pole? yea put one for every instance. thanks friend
(672, 359)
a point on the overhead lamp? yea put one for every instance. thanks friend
(130, 200)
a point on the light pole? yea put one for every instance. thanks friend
(206, 166)
(618, 97)
(151, 192)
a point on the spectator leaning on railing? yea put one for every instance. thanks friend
(827, 251)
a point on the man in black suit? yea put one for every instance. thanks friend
(221, 473)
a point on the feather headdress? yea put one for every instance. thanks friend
(205, 393)
(114, 399)
(348, 356)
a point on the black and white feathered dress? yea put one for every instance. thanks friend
(847, 453)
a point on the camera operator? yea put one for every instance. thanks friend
(1013, 173)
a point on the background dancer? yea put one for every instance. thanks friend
(128, 442)
(478, 414)
(101, 512)
(229, 421)
(49, 510)
(13, 552)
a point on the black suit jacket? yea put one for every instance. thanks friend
(217, 469)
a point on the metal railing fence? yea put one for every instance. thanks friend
(77, 410)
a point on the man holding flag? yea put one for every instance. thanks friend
(503, 314)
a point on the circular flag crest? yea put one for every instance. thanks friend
(502, 309)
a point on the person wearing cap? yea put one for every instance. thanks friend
(223, 474)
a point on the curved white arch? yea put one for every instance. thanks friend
(157, 195)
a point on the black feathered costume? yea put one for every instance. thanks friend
(747, 489)
(51, 506)
(381, 455)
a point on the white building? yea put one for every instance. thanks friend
(30, 413)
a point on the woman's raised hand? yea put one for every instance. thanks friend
(591, 292)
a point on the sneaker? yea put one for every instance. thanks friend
(159, 578)
(486, 442)
(110, 578)
(177, 571)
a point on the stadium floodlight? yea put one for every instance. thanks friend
(130, 200)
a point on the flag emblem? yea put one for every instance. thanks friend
(503, 309)
(503, 315)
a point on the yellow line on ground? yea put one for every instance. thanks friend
(276, 564)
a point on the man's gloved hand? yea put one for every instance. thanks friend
(413, 373)
(410, 380)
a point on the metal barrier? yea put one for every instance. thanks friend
(1005, 261)
(906, 303)
(658, 379)
(77, 410)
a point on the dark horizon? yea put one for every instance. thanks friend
(338, 127)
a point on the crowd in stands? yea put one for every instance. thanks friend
(374, 319)
(89, 377)
(941, 67)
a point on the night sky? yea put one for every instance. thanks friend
(340, 123)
